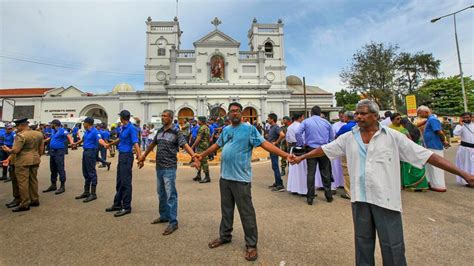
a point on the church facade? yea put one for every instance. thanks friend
(196, 82)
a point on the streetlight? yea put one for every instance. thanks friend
(457, 48)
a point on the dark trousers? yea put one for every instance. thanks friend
(56, 165)
(15, 189)
(3, 156)
(237, 193)
(88, 167)
(368, 219)
(98, 156)
(276, 169)
(123, 188)
(103, 154)
(324, 165)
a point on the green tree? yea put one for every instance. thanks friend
(372, 72)
(347, 99)
(413, 69)
(444, 95)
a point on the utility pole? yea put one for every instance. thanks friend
(304, 95)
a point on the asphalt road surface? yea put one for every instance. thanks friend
(438, 227)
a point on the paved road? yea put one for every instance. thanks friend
(438, 226)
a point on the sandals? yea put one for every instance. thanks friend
(217, 242)
(159, 221)
(251, 254)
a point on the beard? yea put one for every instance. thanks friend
(466, 121)
(235, 120)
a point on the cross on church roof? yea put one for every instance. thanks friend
(216, 22)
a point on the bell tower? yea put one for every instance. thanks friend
(162, 37)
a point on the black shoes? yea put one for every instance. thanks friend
(12, 204)
(198, 177)
(9, 179)
(60, 190)
(84, 195)
(122, 212)
(346, 196)
(91, 197)
(170, 229)
(34, 204)
(108, 166)
(51, 188)
(328, 195)
(272, 186)
(21, 209)
(309, 201)
(205, 180)
(113, 209)
(3, 178)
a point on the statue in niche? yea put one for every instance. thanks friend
(217, 68)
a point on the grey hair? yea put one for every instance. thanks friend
(371, 105)
(349, 114)
(423, 108)
(169, 112)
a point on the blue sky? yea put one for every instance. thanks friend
(320, 36)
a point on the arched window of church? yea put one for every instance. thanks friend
(161, 51)
(268, 50)
(217, 68)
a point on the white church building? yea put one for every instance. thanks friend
(191, 82)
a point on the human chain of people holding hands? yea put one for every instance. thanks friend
(370, 151)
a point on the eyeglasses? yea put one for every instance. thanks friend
(235, 111)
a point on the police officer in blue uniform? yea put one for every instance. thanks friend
(103, 151)
(127, 141)
(3, 154)
(56, 152)
(8, 141)
(91, 140)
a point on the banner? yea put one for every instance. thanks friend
(411, 105)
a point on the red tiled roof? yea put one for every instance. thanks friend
(23, 92)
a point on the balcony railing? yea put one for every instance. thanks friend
(186, 54)
(247, 55)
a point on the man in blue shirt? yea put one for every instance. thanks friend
(435, 140)
(9, 137)
(237, 142)
(194, 132)
(75, 132)
(91, 140)
(317, 132)
(56, 152)
(3, 154)
(47, 134)
(127, 141)
(104, 132)
(275, 136)
(350, 123)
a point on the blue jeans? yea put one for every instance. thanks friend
(167, 194)
(276, 170)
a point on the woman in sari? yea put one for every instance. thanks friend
(413, 178)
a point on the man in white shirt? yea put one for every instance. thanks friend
(373, 153)
(387, 121)
(465, 154)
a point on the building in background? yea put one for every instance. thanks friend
(191, 82)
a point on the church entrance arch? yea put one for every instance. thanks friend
(217, 112)
(249, 114)
(185, 113)
(95, 111)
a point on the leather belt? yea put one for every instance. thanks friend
(467, 144)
